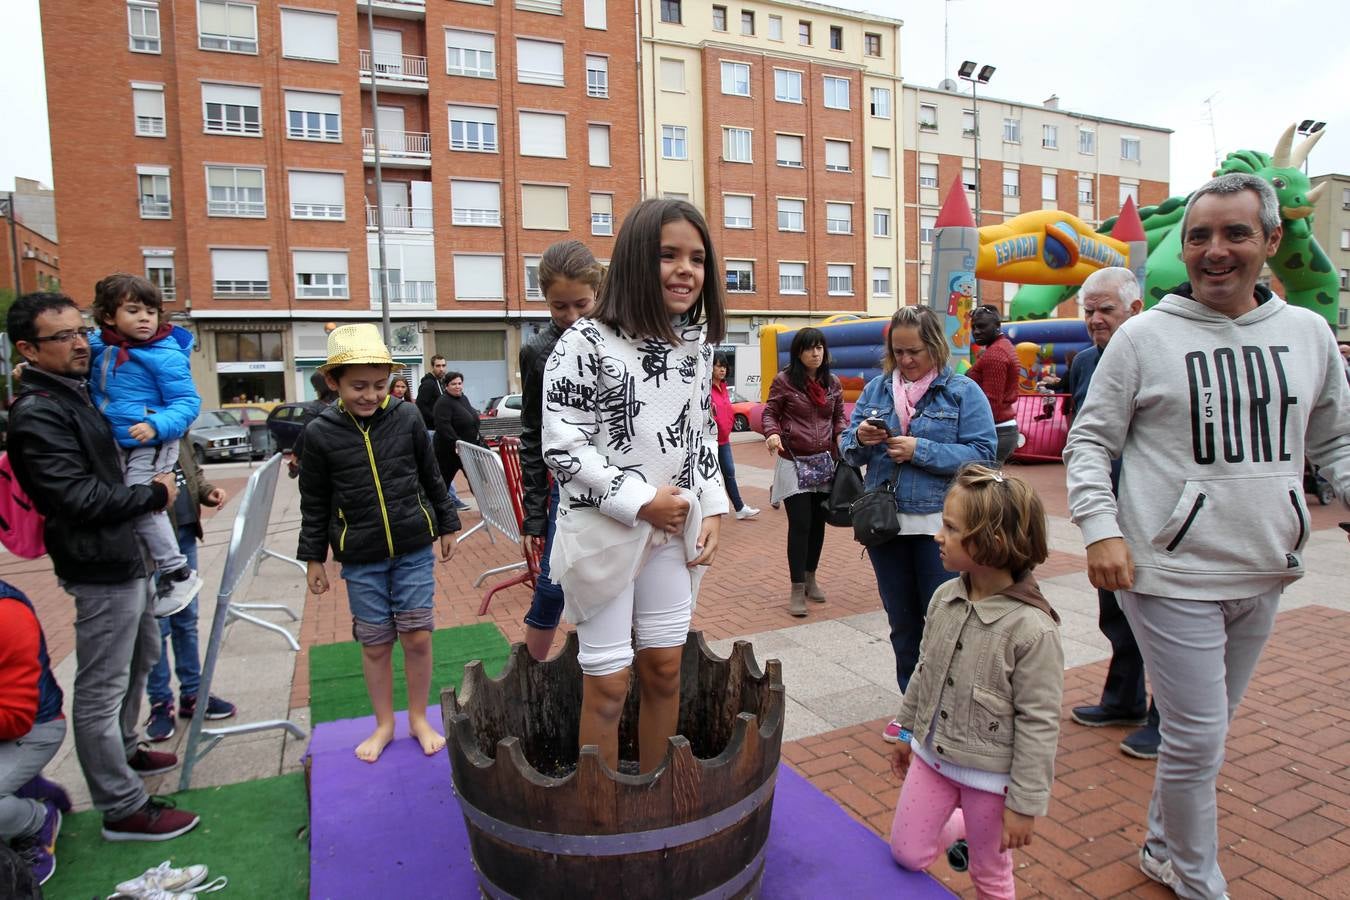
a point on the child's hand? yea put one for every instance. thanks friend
(1017, 830)
(707, 541)
(900, 759)
(316, 578)
(448, 547)
(216, 497)
(667, 510)
(143, 432)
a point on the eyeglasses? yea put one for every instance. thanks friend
(908, 353)
(65, 337)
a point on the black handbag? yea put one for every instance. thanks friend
(846, 488)
(875, 518)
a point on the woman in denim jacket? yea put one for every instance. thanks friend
(942, 422)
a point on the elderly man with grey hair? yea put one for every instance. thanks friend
(1110, 297)
(1210, 401)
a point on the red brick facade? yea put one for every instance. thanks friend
(96, 152)
(765, 181)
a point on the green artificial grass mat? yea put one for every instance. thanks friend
(337, 688)
(255, 833)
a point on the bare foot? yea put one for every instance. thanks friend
(370, 749)
(432, 741)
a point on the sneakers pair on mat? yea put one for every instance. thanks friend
(160, 727)
(167, 883)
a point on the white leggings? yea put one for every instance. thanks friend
(653, 611)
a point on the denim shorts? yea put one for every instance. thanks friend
(378, 592)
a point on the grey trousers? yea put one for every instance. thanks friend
(116, 645)
(20, 760)
(1200, 656)
(154, 529)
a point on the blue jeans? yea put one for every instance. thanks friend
(393, 595)
(728, 464)
(908, 570)
(449, 485)
(182, 628)
(547, 606)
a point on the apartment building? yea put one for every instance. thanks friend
(1331, 227)
(1030, 157)
(30, 258)
(227, 149)
(781, 121)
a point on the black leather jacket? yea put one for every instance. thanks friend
(372, 489)
(63, 453)
(533, 357)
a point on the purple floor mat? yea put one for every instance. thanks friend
(395, 829)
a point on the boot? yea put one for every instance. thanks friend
(813, 591)
(797, 602)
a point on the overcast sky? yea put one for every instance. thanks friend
(1149, 61)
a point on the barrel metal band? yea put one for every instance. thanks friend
(738, 882)
(618, 844)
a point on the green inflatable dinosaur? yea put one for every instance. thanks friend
(1300, 264)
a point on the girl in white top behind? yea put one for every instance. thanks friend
(628, 427)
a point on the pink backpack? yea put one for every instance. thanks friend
(20, 522)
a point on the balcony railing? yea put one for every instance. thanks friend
(155, 208)
(401, 218)
(394, 66)
(405, 293)
(402, 9)
(397, 144)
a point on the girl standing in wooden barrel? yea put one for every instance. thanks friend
(629, 435)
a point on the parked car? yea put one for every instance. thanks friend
(742, 409)
(502, 407)
(218, 435)
(284, 424)
(254, 418)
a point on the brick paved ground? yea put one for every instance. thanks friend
(54, 606)
(1284, 791)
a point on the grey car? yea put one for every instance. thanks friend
(217, 434)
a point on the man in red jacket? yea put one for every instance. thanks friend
(996, 373)
(31, 730)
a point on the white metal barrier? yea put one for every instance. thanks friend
(245, 554)
(487, 478)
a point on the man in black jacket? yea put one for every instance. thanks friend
(430, 389)
(64, 456)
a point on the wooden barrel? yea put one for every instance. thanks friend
(544, 823)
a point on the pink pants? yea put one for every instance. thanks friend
(934, 812)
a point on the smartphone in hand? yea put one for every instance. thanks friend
(877, 422)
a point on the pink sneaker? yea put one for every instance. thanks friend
(891, 733)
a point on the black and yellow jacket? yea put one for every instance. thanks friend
(371, 488)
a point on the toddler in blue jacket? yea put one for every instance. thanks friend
(141, 381)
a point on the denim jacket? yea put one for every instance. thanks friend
(953, 424)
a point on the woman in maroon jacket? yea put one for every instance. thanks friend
(804, 416)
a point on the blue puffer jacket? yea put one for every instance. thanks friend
(953, 424)
(154, 386)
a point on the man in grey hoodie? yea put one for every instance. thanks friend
(1211, 400)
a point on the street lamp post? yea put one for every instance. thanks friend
(967, 73)
(1307, 128)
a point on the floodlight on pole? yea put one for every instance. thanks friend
(967, 73)
(1307, 128)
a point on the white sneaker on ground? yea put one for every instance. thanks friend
(154, 893)
(746, 512)
(1160, 870)
(164, 877)
(176, 590)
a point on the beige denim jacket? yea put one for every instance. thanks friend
(988, 685)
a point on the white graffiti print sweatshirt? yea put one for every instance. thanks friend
(625, 415)
(1211, 418)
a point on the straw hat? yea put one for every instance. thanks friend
(356, 345)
